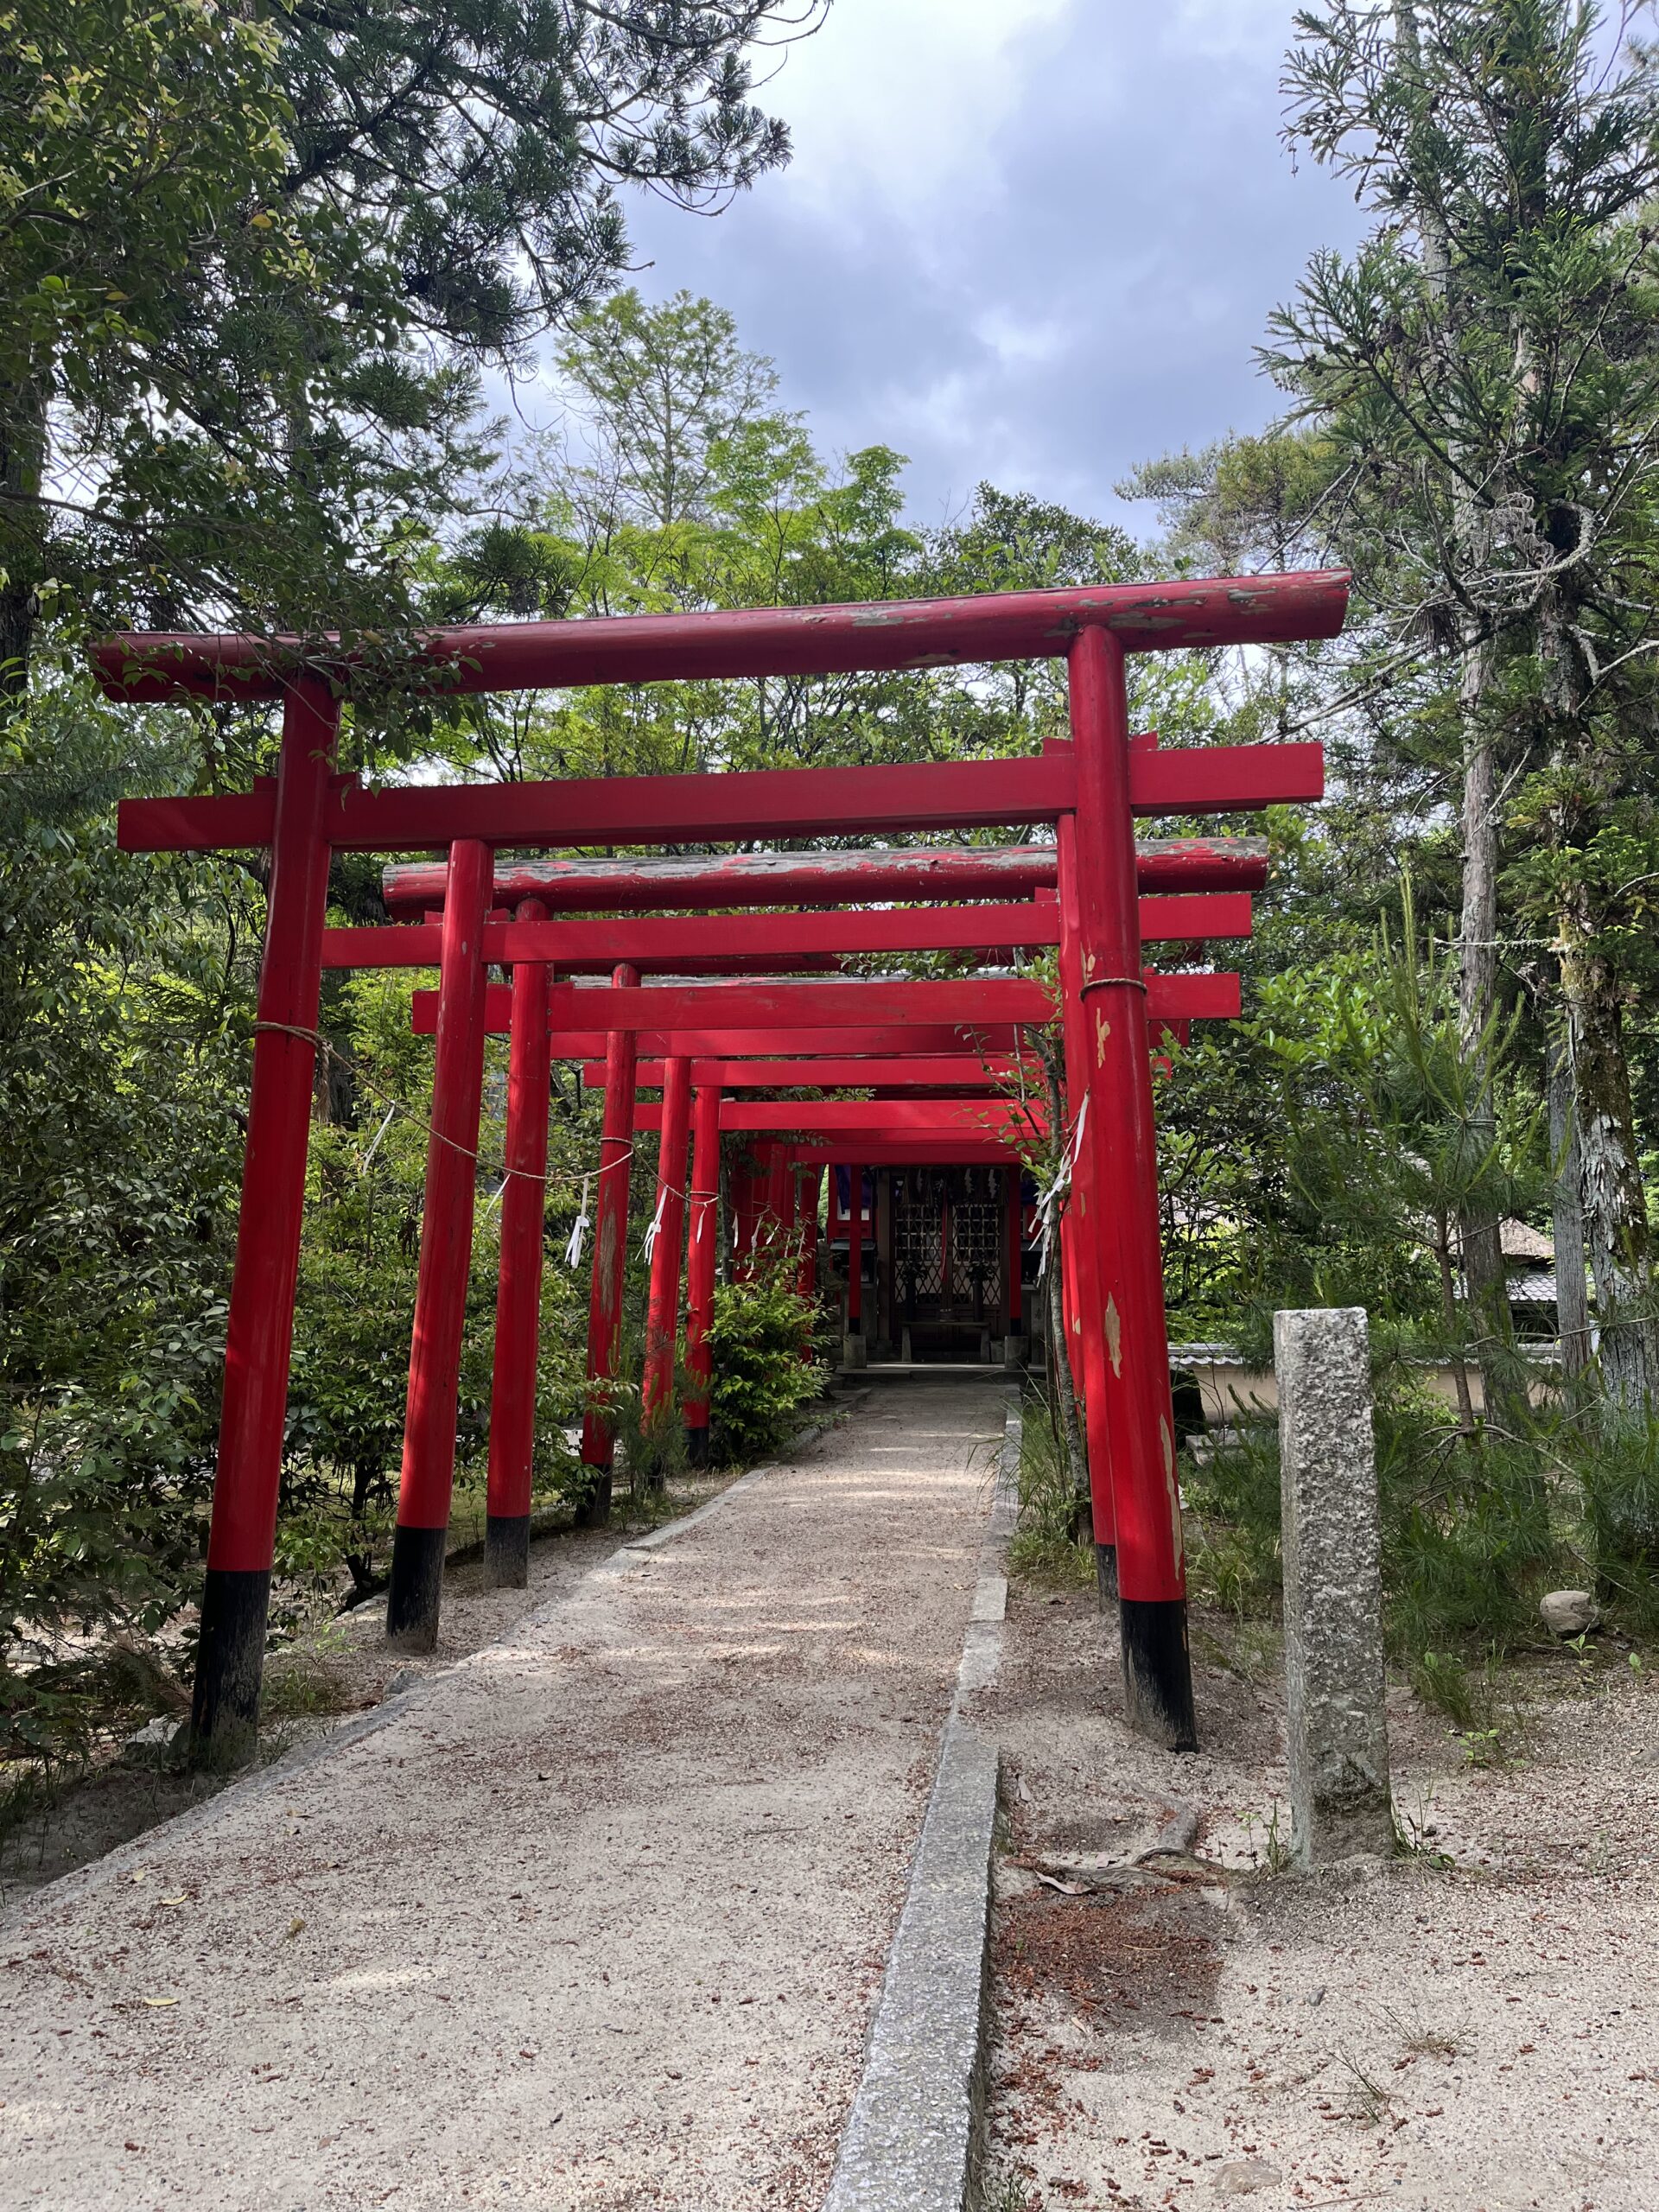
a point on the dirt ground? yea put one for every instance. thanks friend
(1472, 2027)
(595, 1919)
(339, 1666)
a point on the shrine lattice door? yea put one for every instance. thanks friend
(949, 1264)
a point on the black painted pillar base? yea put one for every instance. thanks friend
(1158, 1672)
(594, 1506)
(1106, 1573)
(417, 1588)
(696, 1446)
(506, 1551)
(230, 1659)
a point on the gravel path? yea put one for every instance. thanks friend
(595, 1919)
(1472, 2027)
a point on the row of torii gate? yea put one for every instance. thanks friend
(698, 994)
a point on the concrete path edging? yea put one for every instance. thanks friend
(914, 2138)
(261, 1781)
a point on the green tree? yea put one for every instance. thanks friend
(123, 1024)
(1485, 372)
(251, 263)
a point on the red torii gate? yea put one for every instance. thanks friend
(1172, 1000)
(1096, 788)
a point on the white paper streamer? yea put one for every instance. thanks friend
(1048, 1206)
(573, 1249)
(392, 1115)
(655, 1230)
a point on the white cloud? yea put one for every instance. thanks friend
(1032, 241)
(895, 102)
(1016, 337)
(1218, 29)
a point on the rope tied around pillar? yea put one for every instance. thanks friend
(1113, 982)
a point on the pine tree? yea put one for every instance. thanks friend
(1486, 372)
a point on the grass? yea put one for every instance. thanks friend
(1007, 2193)
(1043, 1549)
(303, 1687)
(1368, 2102)
(1471, 1539)
(1419, 2040)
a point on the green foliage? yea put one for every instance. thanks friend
(1471, 1538)
(1468, 1543)
(762, 1345)
(1045, 1545)
(1619, 1478)
(115, 1197)
(253, 258)
(1231, 1492)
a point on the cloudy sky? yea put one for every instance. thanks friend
(1027, 240)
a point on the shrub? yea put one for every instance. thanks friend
(1618, 1483)
(1232, 1523)
(762, 1345)
(1466, 1534)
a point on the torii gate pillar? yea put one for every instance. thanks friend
(663, 1307)
(1122, 1222)
(415, 1593)
(518, 1298)
(610, 1264)
(700, 1249)
(259, 1340)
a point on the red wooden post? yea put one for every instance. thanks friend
(777, 1196)
(1124, 1232)
(1083, 1301)
(854, 1351)
(417, 1586)
(699, 1268)
(610, 1263)
(1013, 1335)
(662, 1310)
(745, 1205)
(236, 1590)
(518, 1297)
(807, 1181)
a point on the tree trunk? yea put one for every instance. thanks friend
(23, 436)
(1485, 1284)
(1610, 1179)
(1610, 1172)
(1486, 1281)
(1453, 1321)
(1566, 1198)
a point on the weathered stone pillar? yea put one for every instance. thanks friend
(1334, 1678)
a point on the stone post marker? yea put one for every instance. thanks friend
(1334, 1679)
